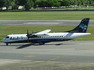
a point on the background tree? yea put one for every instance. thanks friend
(34, 2)
(72, 2)
(42, 3)
(49, 3)
(91, 2)
(65, 3)
(22, 2)
(28, 5)
(14, 4)
(75, 2)
(2, 3)
(56, 3)
(7, 3)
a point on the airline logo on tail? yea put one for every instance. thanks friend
(83, 27)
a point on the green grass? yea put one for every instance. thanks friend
(50, 15)
(6, 30)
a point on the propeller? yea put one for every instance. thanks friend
(28, 35)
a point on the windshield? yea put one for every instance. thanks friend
(7, 36)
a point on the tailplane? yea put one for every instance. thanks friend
(82, 27)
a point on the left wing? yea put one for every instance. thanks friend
(42, 32)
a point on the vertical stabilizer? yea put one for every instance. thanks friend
(82, 27)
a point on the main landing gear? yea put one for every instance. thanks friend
(6, 44)
(41, 43)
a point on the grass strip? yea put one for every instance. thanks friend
(50, 15)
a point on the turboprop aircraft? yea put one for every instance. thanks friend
(45, 37)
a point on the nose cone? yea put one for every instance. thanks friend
(3, 40)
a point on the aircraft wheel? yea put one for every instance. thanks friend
(6, 44)
(41, 43)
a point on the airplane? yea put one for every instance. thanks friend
(45, 37)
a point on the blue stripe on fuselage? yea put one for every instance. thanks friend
(43, 40)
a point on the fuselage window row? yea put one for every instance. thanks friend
(21, 38)
(18, 38)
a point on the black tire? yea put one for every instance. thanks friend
(6, 44)
(41, 43)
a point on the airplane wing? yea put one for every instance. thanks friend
(42, 32)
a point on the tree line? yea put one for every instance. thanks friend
(42, 3)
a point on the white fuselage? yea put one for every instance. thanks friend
(16, 38)
(44, 36)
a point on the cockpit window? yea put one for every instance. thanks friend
(7, 36)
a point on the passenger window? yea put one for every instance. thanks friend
(21, 37)
(18, 37)
(24, 37)
(15, 38)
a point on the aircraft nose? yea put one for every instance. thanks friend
(3, 40)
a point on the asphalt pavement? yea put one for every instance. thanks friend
(69, 51)
(44, 22)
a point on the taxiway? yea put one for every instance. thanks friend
(44, 22)
(69, 51)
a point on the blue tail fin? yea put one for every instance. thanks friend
(82, 27)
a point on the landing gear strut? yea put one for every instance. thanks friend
(41, 43)
(6, 44)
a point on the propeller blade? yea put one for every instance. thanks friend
(27, 35)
